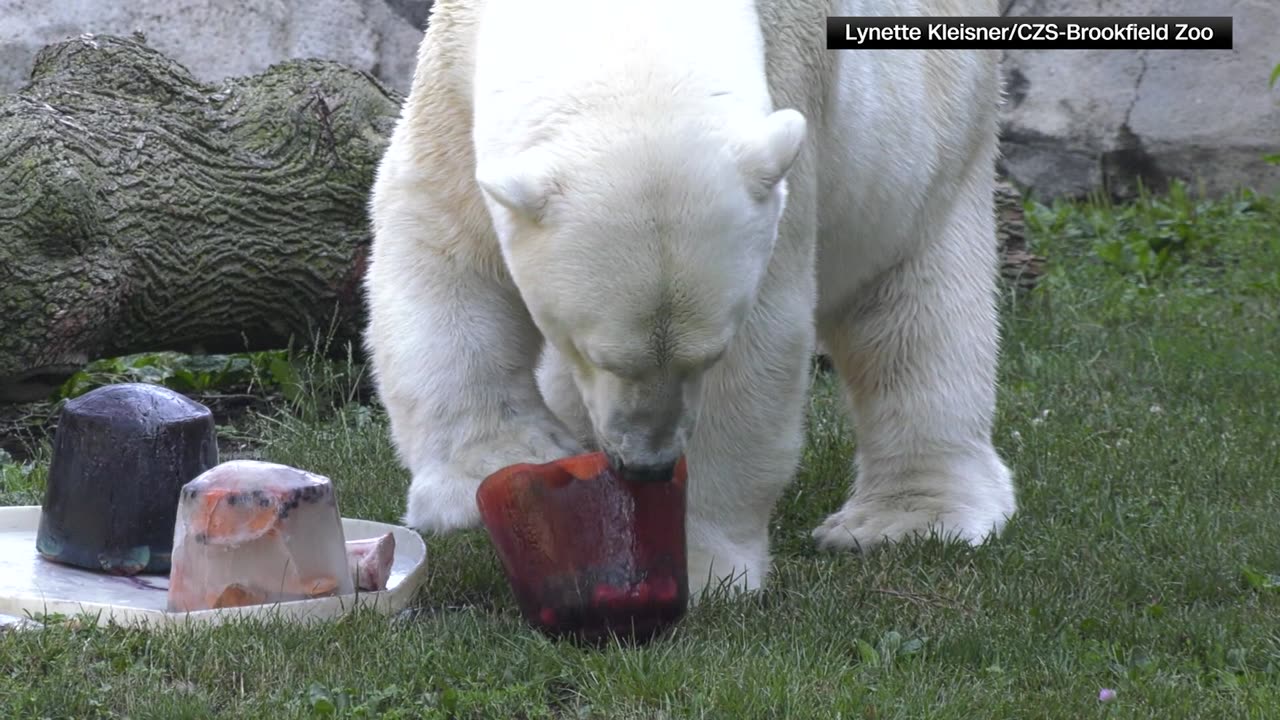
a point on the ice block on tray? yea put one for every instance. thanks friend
(120, 458)
(251, 532)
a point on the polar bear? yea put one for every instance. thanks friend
(624, 226)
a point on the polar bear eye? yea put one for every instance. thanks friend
(701, 362)
(622, 370)
(590, 359)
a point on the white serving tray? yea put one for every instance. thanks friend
(30, 585)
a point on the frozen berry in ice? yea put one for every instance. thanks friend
(607, 595)
(638, 595)
(665, 588)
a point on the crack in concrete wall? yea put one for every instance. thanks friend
(1137, 89)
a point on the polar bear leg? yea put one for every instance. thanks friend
(460, 396)
(917, 353)
(745, 449)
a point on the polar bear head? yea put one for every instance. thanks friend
(639, 245)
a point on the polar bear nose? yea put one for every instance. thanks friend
(661, 472)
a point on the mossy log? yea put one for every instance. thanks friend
(142, 210)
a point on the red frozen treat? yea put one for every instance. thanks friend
(588, 553)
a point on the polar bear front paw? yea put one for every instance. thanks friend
(442, 496)
(957, 507)
(731, 570)
(442, 500)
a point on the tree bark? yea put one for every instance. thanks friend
(141, 210)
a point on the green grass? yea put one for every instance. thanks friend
(1139, 406)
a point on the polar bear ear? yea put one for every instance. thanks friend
(772, 149)
(521, 184)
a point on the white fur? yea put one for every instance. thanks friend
(624, 225)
